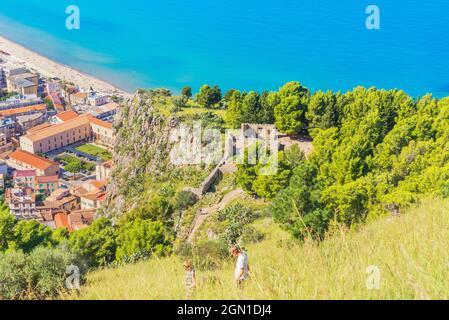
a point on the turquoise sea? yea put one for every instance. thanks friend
(243, 44)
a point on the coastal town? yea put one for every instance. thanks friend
(56, 138)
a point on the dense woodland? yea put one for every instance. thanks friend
(375, 152)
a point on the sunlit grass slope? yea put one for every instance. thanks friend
(411, 252)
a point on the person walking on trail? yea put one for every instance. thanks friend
(190, 280)
(241, 266)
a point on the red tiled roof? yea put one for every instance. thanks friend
(99, 122)
(62, 221)
(107, 164)
(32, 159)
(38, 127)
(58, 128)
(102, 198)
(93, 195)
(14, 111)
(98, 184)
(67, 115)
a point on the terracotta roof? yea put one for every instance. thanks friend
(46, 179)
(62, 221)
(32, 159)
(99, 122)
(82, 216)
(58, 128)
(67, 115)
(82, 95)
(79, 191)
(98, 184)
(93, 195)
(39, 127)
(102, 198)
(14, 111)
(107, 164)
(59, 203)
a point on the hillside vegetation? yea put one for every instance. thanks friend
(410, 252)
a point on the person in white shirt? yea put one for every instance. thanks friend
(241, 266)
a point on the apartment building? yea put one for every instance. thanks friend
(45, 185)
(29, 121)
(24, 178)
(8, 129)
(21, 203)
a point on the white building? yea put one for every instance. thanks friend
(21, 202)
(96, 99)
(53, 87)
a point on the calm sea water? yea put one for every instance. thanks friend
(244, 44)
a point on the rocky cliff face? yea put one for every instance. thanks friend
(141, 151)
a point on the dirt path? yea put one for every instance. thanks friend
(203, 213)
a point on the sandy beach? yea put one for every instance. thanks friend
(49, 68)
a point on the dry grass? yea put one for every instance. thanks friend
(411, 253)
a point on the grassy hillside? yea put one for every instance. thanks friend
(410, 251)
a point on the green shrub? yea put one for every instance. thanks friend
(140, 239)
(96, 244)
(40, 274)
(185, 199)
(235, 220)
(46, 271)
(209, 254)
(13, 283)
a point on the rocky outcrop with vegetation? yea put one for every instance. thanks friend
(141, 151)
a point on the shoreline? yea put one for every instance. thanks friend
(50, 68)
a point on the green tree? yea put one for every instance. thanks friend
(96, 244)
(209, 97)
(322, 111)
(251, 107)
(235, 220)
(234, 115)
(7, 224)
(290, 112)
(298, 208)
(60, 235)
(142, 237)
(267, 103)
(186, 92)
(29, 234)
(74, 167)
